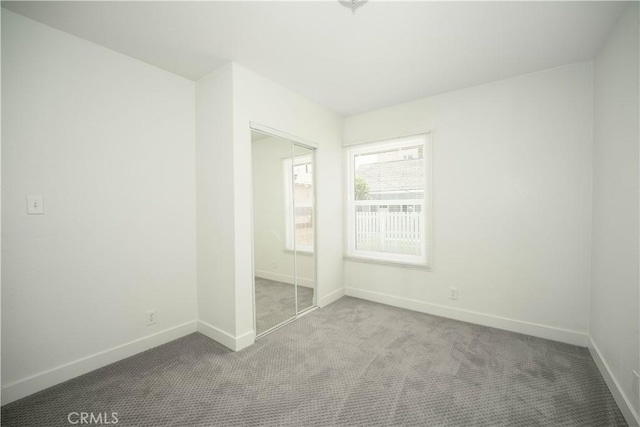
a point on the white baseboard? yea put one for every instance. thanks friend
(284, 278)
(332, 297)
(245, 340)
(528, 328)
(27, 386)
(218, 335)
(225, 338)
(625, 405)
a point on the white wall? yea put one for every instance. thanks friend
(109, 142)
(270, 257)
(614, 324)
(215, 209)
(511, 203)
(259, 100)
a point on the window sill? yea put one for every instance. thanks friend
(400, 264)
(299, 252)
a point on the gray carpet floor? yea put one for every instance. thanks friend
(352, 363)
(275, 302)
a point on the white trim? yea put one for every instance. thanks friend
(34, 383)
(371, 141)
(308, 253)
(284, 278)
(332, 297)
(625, 405)
(245, 340)
(428, 200)
(513, 325)
(218, 335)
(422, 267)
(275, 132)
(225, 338)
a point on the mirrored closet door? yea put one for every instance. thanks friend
(304, 230)
(283, 229)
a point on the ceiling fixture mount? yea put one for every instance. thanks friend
(352, 4)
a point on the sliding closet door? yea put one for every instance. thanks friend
(304, 220)
(273, 237)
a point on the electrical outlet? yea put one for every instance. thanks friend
(35, 205)
(636, 384)
(151, 317)
(453, 293)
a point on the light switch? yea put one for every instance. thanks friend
(35, 205)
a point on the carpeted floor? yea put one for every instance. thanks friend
(353, 363)
(275, 302)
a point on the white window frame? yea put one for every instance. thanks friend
(287, 171)
(424, 259)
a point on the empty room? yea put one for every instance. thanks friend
(320, 213)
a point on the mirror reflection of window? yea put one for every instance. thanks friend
(298, 179)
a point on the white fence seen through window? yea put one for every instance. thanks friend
(388, 231)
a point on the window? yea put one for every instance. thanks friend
(298, 184)
(388, 205)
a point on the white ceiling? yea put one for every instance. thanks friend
(384, 53)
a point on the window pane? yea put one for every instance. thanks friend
(388, 199)
(392, 229)
(390, 174)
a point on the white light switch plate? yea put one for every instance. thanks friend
(35, 205)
